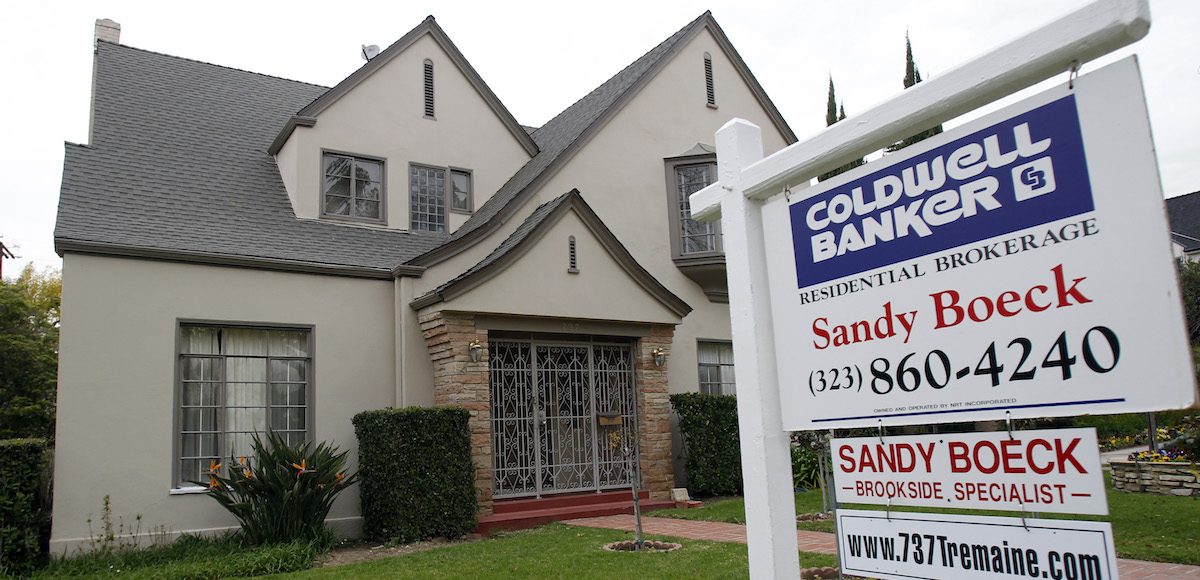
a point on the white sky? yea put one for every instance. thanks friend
(539, 57)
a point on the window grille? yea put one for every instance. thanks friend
(427, 195)
(694, 236)
(236, 382)
(715, 360)
(353, 187)
(429, 89)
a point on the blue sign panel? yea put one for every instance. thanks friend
(1025, 171)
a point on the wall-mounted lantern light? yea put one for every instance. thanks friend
(475, 349)
(660, 356)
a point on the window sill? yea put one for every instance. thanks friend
(188, 490)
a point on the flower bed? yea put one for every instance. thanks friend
(1161, 477)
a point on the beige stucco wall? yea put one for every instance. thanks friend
(384, 117)
(621, 174)
(116, 398)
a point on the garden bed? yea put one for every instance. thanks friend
(1160, 477)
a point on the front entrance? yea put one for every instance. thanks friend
(548, 399)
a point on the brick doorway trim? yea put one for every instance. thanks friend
(459, 382)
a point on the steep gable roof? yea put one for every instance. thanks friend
(176, 170)
(566, 133)
(530, 231)
(1183, 213)
(306, 117)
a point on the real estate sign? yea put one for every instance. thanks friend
(1018, 265)
(1056, 471)
(908, 545)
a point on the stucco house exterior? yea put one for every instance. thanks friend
(243, 252)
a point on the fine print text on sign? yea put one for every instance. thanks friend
(909, 545)
(1016, 266)
(1055, 471)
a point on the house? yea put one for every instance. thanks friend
(1183, 214)
(243, 252)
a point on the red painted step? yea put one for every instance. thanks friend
(527, 513)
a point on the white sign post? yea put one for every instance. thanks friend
(1054, 471)
(745, 182)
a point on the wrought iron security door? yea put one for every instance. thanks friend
(545, 400)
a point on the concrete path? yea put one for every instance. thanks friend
(823, 543)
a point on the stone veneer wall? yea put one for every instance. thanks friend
(459, 382)
(1163, 478)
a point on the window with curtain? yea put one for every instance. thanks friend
(235, 382)
(716, 368)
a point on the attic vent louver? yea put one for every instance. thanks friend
(708, 80)
(428, 88)
(572, 261)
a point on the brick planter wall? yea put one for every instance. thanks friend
(1163, 478)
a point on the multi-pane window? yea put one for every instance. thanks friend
(235, 382)
(434, 189)
(694, 236)
(427, 195)
(353, 187)
(715, 360)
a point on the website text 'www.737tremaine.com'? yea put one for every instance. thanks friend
(941, 551)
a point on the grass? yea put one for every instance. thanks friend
(557, 551)
(1156, 528)
(188, 558)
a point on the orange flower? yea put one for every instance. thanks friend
(242, 460)
(302, 466)
(340, 478)
(247, 473)
(213, 483)
(213, 466)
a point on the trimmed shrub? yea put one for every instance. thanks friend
(283, 493)
(22, 519)
(418, 480)
(709, 426)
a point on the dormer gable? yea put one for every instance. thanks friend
(412, 140)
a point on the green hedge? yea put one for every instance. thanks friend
(709, 427)
(416, 473)
(22, 518)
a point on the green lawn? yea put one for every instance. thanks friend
(1145, 526)
(558, 551)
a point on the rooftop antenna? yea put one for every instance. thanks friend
(370, 51)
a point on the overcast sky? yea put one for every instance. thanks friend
(539, 57)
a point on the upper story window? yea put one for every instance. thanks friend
(708, 81)
(715, 360)
(691, 236)
(235, 382)
(353, 187)
(434, 189)
(428, 88)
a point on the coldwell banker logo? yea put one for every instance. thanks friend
(1022, 172)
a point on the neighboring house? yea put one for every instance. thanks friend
(243, 252)
(1183, 213)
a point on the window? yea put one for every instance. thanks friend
(428, 88)
(716, 367)
(460, 193)
(353, 187)
(429, 196)
(708, 81)
(234, 382)
(693, 236)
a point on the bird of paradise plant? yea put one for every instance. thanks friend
(281, 492)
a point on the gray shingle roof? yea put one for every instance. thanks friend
(177, 168)
(1183, 213)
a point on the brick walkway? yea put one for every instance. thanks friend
(824, 543)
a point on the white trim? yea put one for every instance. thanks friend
(192, 490)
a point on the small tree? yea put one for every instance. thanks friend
(29, 317)
(834, 113)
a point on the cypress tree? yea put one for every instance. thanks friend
(912, 76)
(833, 114)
